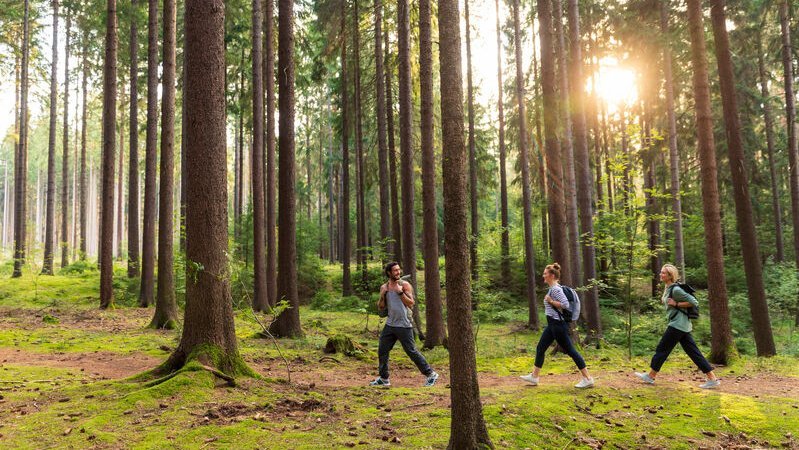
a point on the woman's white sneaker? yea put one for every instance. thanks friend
(530, 379)
(585, 383)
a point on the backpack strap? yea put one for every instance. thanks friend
(671, 292)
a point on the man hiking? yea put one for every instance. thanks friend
(396, 296)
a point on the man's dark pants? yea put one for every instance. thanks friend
(388, 337)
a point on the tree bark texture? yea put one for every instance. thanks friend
(147, 290)
(109, 149)
(133, 166)
(382, 145)
(65, 156)
(49, 234)
(260, 301)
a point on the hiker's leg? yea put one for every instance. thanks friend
(664, 348)
(690, 347)
(547, 338)
(405, 336)
(387, 340)
(561, 331)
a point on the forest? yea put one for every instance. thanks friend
(218, 217)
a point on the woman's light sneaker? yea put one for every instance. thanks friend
(710, 384)
(530, 379)
(645, 377)
(585, 383)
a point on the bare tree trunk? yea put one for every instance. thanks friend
(467, 426)
(49, 234)
(133, 166)
(209, 332)
(109, 148)
(344, 213)
(539, 151)
(572, 276)
(271, 217)
(120, 208)
(406, 152)
(529, 252)
(769, 125)
(166, 311)
(721, 344)
(65, 149)
(436, 334)
(761, 324)
(359, 167)
(503, 175)
(555, 200)
(382, 150)
(260, 301)
(472, 154)
(582, 167)
(147, 290)
(396, 227)
(790, 118)
(21, 163)
(83, 131)
(288, 323)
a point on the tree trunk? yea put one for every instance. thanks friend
(208, 332)
(721, 344)
(475, 221)
(582, 167)
(382, 150)
(542, 174)
(120, 208)
(65, 149)
(790, 119)
(133, 166)
(83, 131)
(344, 215)
(109, 148)
(21, 163)
(287, 323)
(529, 252)
(49, 234)
(406, 153)
(396, 227)
(166, 311)
(761, 324)
(572, 275)
(271, 217)
(436, 334)
(359, 169)
(769, 125)
(147, 290)
(555, 200)
(503, 175)
(467, 426)
(260, 301)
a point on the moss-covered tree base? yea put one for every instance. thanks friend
(159, 323)
(223, 364)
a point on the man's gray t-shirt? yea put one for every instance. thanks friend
(397, 312)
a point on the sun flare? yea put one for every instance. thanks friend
(615, 85)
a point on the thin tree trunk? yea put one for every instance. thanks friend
(406, 153)
(761, 324)
(287, 323)
(209, 332)
(572, 276)
(529, 252)
(396, 226)
(582, 168)
(555, 199)
(147, 290)
(539, 151)
(382, 150)
(65, 149)
(109, 148)
(721, 344)
(83, 131)
(359, 170)
(120, 208)
(774, 178)
(344, 213)
(260, 301)
(790, 119)
(133, 166)
(436, 334)
(503, 175)
(166, 310)
(49, 234)
(271, 218)
(467, 426)
(21, 163)
(475, 220)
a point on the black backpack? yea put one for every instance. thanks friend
(572, 313)
(693, 311)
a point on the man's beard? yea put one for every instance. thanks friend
(396, 277)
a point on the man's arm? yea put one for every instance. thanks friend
(381, 303)
(407, 295)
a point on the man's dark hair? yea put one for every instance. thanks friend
(389, 267)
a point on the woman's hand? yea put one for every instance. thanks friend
(671, 302)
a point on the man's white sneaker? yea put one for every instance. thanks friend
(585, 383)
(530, 379)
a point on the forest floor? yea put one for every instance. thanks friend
(67, 381)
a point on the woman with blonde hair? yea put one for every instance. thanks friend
(557, 330)
(676, 302)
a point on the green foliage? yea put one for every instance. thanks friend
(79, 267)
(328, 301)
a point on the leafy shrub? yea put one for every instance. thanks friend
(79, 267)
